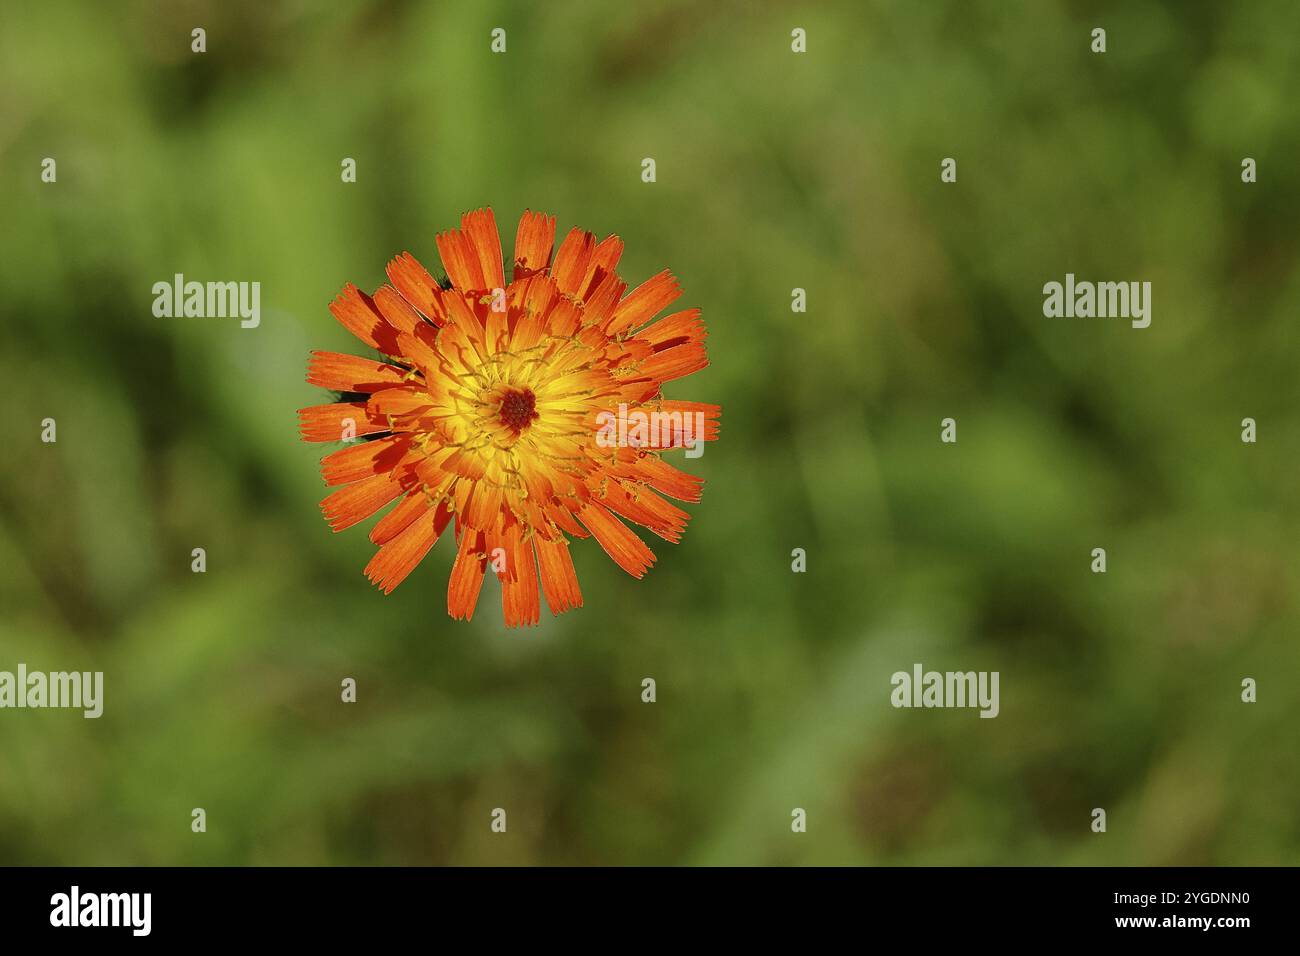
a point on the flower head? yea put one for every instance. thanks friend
(502, 410)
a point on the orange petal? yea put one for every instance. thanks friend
(460, 259)
(690, 425)
(417, 287)
(604, 260)
(359, 500)
(361, 461)
(337, 422)
(419, 351)
(480, 227)
(484, 505)
(564, 319)
(673, 330)
(572, 259)
(627, 550)
(533, 243)
(467, 330)
(519, 601)
(399, 519)
(351, 373)
(357, 313)
(676, 362)
(645, 302)
(466, 465)
(563, 519)
(399, 556)
(648, 510)
(399, 406)
(603, 302)
(466, 575)
(496, 330)
(672, 481)
(666, 514)
(559, 579)
(399, 313)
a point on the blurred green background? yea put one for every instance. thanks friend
(775, 171)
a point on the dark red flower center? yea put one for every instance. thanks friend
(518, 408)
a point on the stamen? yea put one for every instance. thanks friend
(518, 408)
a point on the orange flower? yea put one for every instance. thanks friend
(506, 408)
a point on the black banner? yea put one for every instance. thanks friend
(333, 905)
